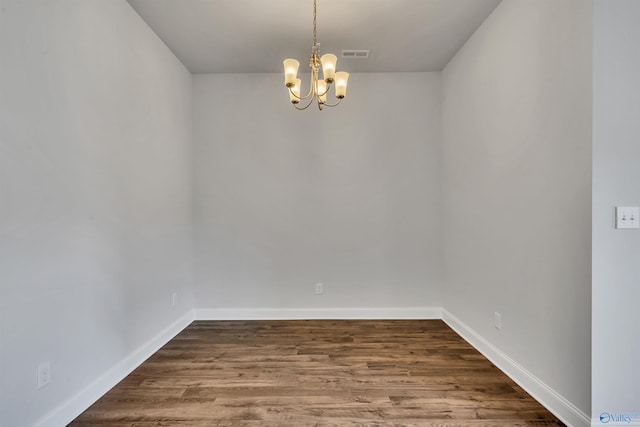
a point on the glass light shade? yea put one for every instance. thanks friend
(290, 71)
(328, 67)
(322, 88)
(342, 78)
(295, 96)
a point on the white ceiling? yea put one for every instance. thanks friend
(254, 36)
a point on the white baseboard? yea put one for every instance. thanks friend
(317, 313)
(65, 413)
(549, 398)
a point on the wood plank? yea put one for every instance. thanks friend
(317, 373)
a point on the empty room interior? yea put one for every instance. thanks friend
(455, 243)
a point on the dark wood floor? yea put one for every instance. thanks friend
(317, 373)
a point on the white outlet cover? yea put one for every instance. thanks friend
(44, 374)
(627, 217)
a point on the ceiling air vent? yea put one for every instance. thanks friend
(352, 53)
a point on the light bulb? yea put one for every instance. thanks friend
(322, 88)
(328, 67)
(290, 71)
(294, 94)
(342, 78)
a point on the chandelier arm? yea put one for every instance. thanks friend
(333, 105)
(300, 97)
(305, 107)
(310, 89)
(326, 91)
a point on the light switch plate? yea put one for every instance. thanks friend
(627, 217)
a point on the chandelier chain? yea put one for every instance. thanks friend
(315, 38)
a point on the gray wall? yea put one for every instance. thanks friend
(348, 197)
(616, 182)
(95, 195)
(517, 188)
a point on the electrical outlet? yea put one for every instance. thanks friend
(319, 289)
(44, 374)
(497, 321)
(174, 299)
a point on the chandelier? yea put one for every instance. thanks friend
(318, 88)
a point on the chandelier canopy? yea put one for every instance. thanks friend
(318, 88)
